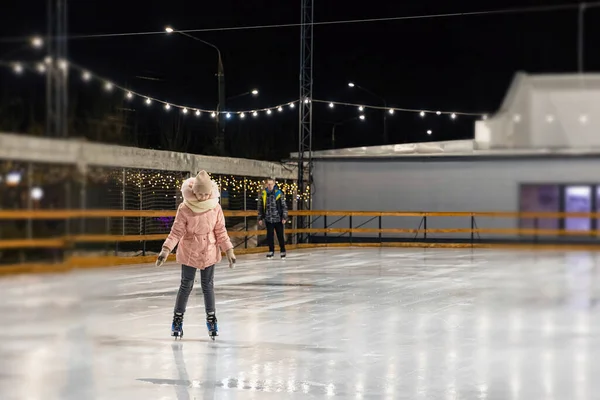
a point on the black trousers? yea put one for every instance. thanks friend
(278, 227)
(187, 284)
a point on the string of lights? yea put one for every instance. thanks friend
(87, 76)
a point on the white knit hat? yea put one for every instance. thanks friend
(202, 184)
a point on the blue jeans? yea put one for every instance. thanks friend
(187, 284)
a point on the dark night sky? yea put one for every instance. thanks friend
(455, 64)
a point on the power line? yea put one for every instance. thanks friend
(515, 10)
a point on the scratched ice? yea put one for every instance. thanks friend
(344, 323)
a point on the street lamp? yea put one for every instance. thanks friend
(253, 92)
(221, 82)
(361, 117)
(354, 85)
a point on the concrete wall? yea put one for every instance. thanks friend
(450, 184)
(44, 150)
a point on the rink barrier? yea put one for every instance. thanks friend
(68, 242)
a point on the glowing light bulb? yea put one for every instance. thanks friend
(331, 105)
(41, 68)
(86, 76)
(168, 29)
(438, 113)
(305, 101)
(185, 111)
(255, 114)
(167, 106)
(255, 92)
(129, 95)
(362, 117)
(37, 193)
(242, 115)
(453, 116)
(37, 42)
(228, 115)
(269, 112)
(280, 109)
(148, 101)
(213, 115)
(391, 111)
(429, 132)
(108, 86)
(18, 68)
(292, 105)
(422, 114)
(351, 84)
(198, 113)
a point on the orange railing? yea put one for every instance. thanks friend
(321, 230)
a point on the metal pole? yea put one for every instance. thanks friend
(581, 37)
(29, 200)
(245, 217)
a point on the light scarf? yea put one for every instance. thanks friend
(201, 206)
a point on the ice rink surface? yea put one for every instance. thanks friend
(344, 323)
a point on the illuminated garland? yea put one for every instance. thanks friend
(86, 75)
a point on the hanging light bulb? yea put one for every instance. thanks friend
(129, 95)
(167, 106)
(453, 116)
(269, 112)
(41, 68)
(438, 112)
(18, 68)
(280, 109)
(228, 115)
(331, 105)
(242, 115)
(361, 108)
(422, 114)
(429, 132)
(108, 86)
(213, 115)
(86, 76)
(37, 42)
(292, 105)
(198, 113)
(148, 101)
(391, 111)
(255, 114)
(185, 111)
(362, 117)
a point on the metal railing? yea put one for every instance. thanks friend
(328, 228)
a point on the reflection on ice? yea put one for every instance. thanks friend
(362, 324)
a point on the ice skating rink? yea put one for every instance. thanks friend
(344, 323)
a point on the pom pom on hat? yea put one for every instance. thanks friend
(202, 183)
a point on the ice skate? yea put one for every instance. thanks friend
(177, 326)
(211, 324)
(283, 255)
(270, 255)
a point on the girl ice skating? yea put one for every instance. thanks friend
(199, 228)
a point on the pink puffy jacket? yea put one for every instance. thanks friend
(201, 236)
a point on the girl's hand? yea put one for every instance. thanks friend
(231, 257)
(162, 257)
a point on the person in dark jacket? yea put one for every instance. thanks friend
(272, 212)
